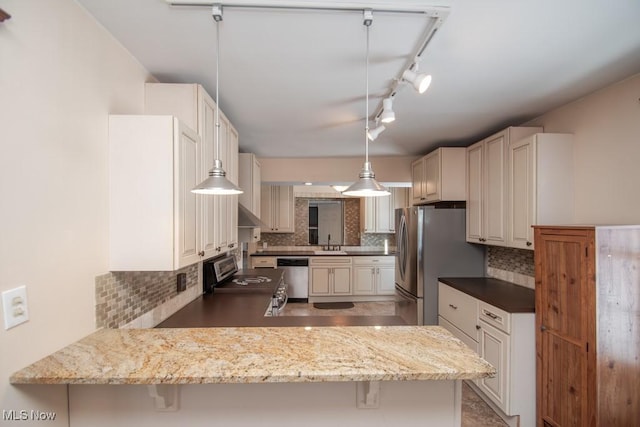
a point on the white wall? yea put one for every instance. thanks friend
(61, 74)
(606, 125)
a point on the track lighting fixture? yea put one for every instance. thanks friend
(366, 186)
(420, 82)
(372, 134)
(387, 115)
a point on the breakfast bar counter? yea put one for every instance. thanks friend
(380, 376)
(258, 355)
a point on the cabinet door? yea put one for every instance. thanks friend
(417, 182)
(494, 348)
(341, 277)
(364, 279)
(256, 188)
(494, 189)
(432, 177)
(474, 193)
(266, 208)
(385, 284)
(521, 193)
(565, 319)
(187, 232)
(384, 219)
(320, 279)
(206, 129)
(368, 214)
(232, 200)
(285, 216)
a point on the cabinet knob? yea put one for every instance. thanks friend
(201, 253)
(543, 328)
(478, 327)
(453, 306)
(529, 243)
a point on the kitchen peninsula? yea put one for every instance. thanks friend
(407, 373)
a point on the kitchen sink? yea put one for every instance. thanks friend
(329, 252)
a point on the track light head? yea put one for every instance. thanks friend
(387, 115)
(420, 82)
(374, 133)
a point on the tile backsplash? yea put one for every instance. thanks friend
(301, 235)
(123, 296)
(513, 265)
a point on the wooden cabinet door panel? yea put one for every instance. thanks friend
(341, 280)
(565, 318)
(320, 281)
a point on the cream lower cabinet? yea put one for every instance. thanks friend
(330, 276)
(486, 189)
(506, 340)
(155, 221)
(373, 275)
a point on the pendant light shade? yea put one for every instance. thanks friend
(366, 186)
(217, 182)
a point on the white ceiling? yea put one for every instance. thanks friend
(292, 81)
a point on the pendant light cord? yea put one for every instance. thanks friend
(366, 117)
(217, 90)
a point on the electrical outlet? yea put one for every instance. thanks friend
(181, 281)
(14, 307)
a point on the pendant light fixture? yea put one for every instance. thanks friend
(366, 186)
(217, 182)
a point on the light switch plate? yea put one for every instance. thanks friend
(14, 307)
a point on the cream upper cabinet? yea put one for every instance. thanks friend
(155, 221)
(277, 208)
(249, 181)
(377, 214)
(193, 106)
(439, 176)
(540, 185)
(486, 186)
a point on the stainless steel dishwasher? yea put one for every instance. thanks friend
(296, 277)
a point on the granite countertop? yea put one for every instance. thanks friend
(499, 293)
(258, 355)
(302, 253)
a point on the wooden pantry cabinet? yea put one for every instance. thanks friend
(194, 107)
(439, 176)
(155, 221)
(588, 325)
(486, 186)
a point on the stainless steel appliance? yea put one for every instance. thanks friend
(296, 276)
(431, 243)
(221, 275)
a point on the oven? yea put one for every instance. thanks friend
(221, 275)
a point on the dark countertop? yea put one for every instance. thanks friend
(499, 293)
(311, 253)
(247, 309)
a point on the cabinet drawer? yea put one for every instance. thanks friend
(263, 262)
(459, 309)
(469, 341)
(374, 260)
(330, 260)
(494, 316)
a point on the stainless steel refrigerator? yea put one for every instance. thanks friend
(431, 243)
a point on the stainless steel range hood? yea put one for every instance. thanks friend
(246, 219)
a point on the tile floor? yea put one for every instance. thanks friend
(475, 412)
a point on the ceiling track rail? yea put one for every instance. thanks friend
(433, 11)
